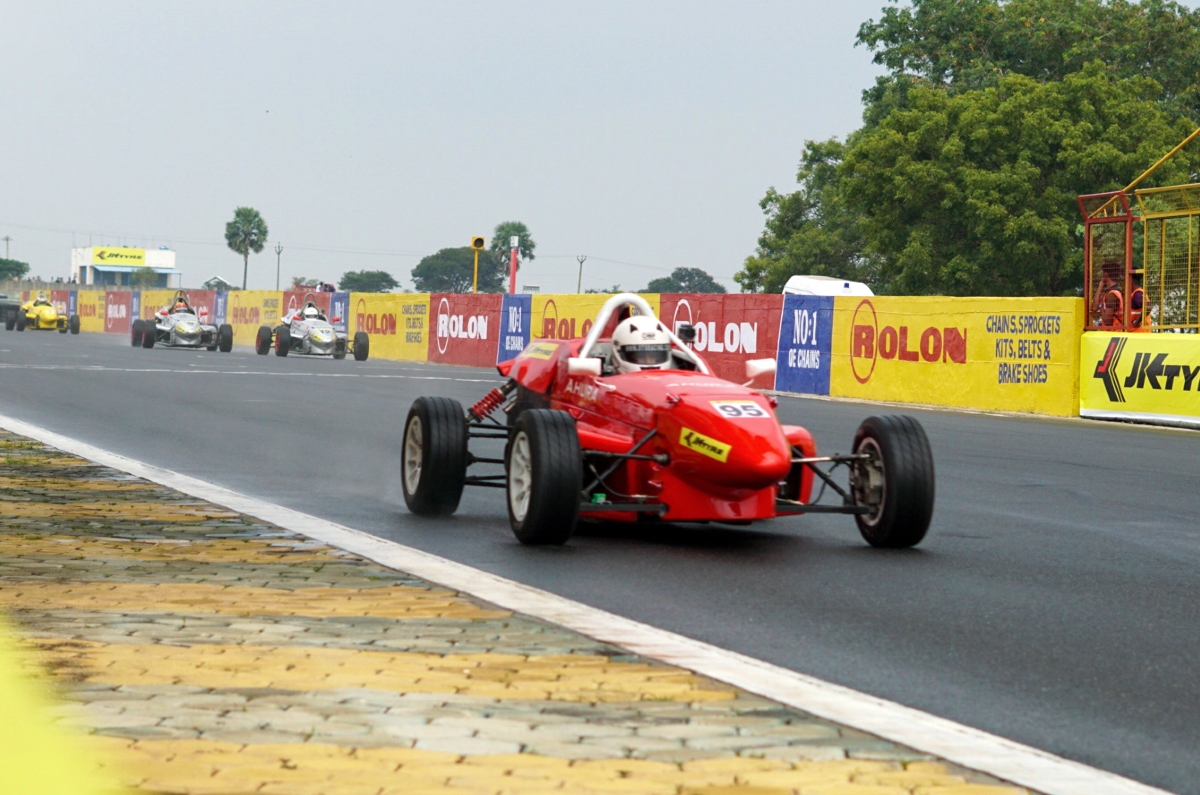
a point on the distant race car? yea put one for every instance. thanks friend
(307, 331)
(41, 314)
(179, 326)
(633, 427)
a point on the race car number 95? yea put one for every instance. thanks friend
(739, 409)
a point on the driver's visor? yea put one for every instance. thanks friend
(646, 354)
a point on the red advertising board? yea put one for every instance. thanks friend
(464, 329)
(293, 301)
(60, 299)
(204, 302)
(730, 329)
(116, 311)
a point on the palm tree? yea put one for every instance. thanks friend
(245, 233)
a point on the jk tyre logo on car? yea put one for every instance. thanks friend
(869, 342)
(698, 442)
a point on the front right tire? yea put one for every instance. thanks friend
(21, 320)
(544, 467)
(262, 342)
(135, 332)
(73, 324)
(433, 465)
(283, 341)
(150, 333)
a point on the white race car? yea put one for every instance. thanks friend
(307, 331)
(179, 326)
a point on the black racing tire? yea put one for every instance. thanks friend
(433, 458)
(10, 320)
(897, 481)
(262, 340)
(362, 346)
(136, 329)
(21, 321)
(283, 341)
(150, 332)
(339, 348)
(544, 477)
(73, 324)
(225, 338)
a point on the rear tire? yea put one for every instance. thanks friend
(897, 481)
(283, 341)
(73, 324)
(224, 338)
(135, 332)
(150, 333)
(262, 341)
(544, 468)
(362, 346)
(433, 459)
(10, 320)
(21, 320)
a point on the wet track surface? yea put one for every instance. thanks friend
(1053, 602)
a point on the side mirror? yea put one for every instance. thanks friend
(686, 332)
(589, 366)
(757, 367)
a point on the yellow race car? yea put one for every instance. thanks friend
(41, 314)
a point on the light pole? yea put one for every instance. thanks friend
(278, 251)
(6, 240)
(579, 284)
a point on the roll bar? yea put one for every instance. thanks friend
(622, 299)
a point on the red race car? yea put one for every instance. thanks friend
(628, 424)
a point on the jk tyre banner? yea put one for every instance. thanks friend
(1007, 354)
(464, 328)
(730, 329)
(1144, 377)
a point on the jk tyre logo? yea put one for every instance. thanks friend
(1106, 369)
(718, 451)
(1148, 370)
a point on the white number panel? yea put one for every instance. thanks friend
(740, 409)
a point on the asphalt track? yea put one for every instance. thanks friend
(1054, 601)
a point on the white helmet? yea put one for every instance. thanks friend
(311, 312)
(640, 343)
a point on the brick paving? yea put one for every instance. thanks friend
(200, 651)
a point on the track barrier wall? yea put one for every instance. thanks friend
(1141, 377)
(1006, 354)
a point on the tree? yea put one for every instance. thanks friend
(302, 281)
(11, 269)
(367, 282)
(246, 233)
(144, 277)
(684, 280)
(452, 270)
(616, 288)
(972, 44)
(501, 237)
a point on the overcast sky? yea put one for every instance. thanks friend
(642, 134)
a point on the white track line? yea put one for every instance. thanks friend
(951, 741)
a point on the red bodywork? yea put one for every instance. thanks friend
(728, 453)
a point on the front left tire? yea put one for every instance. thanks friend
(544, 467)
(73, 324)
(225, 338)
(895, 480)
(433, 465)
(362, 346)
(135, 332)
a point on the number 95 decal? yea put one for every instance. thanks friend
(739, 409)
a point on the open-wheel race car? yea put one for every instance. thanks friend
(40, 314)
(628, 424)
(307, 331)
(181, 326)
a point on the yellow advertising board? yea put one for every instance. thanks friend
(109, 255)
(564, 317)
(91, 310)
(1144, 377)
(1006, 354)
(154, 300)
(397, 323)
(249, 309)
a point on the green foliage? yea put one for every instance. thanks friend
(616, 288)
(303, 281)
(996, 115)
(971, 44)
(246, 233)
(684, 280)
(500, 249)
(144, 277)
(13, 269)
(367, 282)
(451, 271)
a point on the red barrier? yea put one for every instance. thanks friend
(60, 299)
(116, 311)
(730, 329)
(465, 329)
(293, 300)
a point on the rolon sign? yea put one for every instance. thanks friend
(451, 326)
(869, 342)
